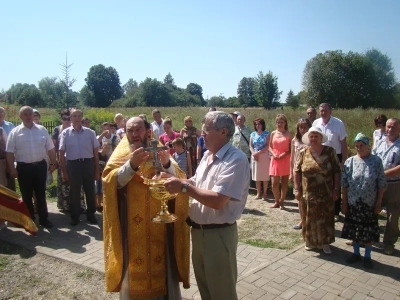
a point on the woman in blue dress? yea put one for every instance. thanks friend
(260, 158)
(363, 185)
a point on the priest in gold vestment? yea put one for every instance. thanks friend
(143, 260)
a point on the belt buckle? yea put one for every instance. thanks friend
(201, 227)
(81, 159)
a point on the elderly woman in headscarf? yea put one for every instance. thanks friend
(363, 185)
(317, 182)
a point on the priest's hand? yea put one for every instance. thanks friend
(174, 185)
(164, 157)
(137, 157)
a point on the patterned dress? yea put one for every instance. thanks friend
(260, 168)
(363, 177)
(190, 141)
(317, 175)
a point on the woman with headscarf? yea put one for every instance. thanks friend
(317, 182)
(363, 185)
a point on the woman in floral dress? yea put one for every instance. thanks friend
(189, 135)
(259, 157)
(363, 185)
(317, 182)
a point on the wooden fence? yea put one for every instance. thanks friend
(49, 125)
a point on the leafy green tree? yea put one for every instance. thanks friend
(86, 97)
(52, 91)
(266, 90)
(130, 88)
(246, 92)
(218, 101)
(292, 100)
(233, 102)
(153, 93)
(30, 96)
(384, 77)
(169, 80)
(195, 89)
(105, 85)
(349, 80)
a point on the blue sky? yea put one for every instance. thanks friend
(212, 43)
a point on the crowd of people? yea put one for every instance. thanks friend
(213, 165)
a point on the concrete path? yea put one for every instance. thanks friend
(263, 273)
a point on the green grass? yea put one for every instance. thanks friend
(85, 274)
(4, 261)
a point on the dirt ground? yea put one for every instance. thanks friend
(25, 274)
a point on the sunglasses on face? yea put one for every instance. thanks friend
(66, 119)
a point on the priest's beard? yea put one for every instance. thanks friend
(143, 143)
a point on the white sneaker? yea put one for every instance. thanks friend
(336, 218)
(326, 249)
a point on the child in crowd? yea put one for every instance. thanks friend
(114, 138)
(103, 157)
(182, 157)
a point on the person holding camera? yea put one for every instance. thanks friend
(169, 135)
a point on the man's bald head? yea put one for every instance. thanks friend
(137, 131)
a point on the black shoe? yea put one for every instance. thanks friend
(74, 222)
(92, 219)
(46, 224)
(368, 263)
(353, 258)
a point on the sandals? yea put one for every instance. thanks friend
(297, 226)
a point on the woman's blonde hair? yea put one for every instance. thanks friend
(282, 117)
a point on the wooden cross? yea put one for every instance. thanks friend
(154, 148)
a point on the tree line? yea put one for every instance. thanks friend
(345, 80)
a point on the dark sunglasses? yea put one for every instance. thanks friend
(66, 119)
(378, 123)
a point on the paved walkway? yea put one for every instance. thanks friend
(263, 273)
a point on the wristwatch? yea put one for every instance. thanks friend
(185, 187)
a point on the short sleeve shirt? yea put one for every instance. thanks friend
(29, 144)
(390, 156)
(78, 144)
(334, 130)
(227, 174)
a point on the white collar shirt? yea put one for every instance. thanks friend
(29, 144)
(334, 130)
(227, 174)
(158, 129)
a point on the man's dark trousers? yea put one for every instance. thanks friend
(32, 177)
(81, 173)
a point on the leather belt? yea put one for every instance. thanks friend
(32, 163)
(81, 159)
(207, 226)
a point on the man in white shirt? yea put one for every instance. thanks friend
(219, 193)
(29, 144)
(158, 125)
(335, 130)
